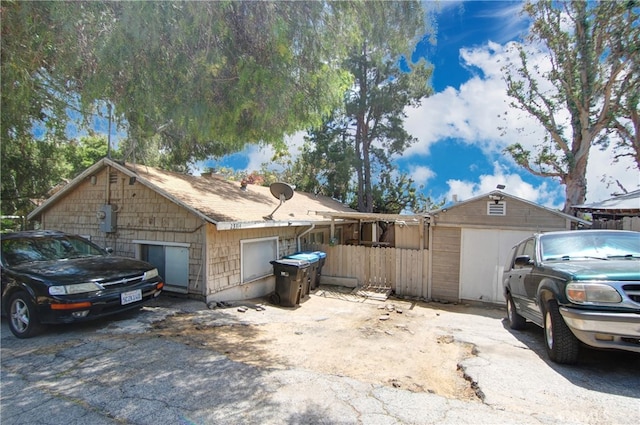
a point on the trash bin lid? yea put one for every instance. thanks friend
(291, 262)
(320, 254)
(308, 256)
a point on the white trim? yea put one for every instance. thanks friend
(144, 242)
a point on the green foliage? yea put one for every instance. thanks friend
(364, 135)
(592, 49)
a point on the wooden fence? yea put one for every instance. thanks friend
(403, 270)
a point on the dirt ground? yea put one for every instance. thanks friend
(399, 343)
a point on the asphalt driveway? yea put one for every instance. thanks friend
(142, 368)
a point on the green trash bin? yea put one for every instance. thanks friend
(312, 274)
(291, 275)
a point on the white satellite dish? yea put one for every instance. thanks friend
(281, 191)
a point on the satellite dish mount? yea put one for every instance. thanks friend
(281, 191)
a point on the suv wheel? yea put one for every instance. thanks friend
(516, 321)
(562, 346)
(23, 318)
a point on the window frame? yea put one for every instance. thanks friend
(260, 272)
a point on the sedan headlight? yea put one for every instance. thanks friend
(589, 293)
(78, 288)
(150, 274)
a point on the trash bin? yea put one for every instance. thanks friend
(313, 260)
(322, 258)
(291, 275)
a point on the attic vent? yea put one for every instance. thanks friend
(113, 178)
(496, 208)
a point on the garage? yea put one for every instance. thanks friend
(483, 255)
(472, 239)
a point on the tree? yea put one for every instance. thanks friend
(591, 48)
(367, 132)
(205, 77)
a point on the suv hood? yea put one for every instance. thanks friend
(86, 269)
(627, 270)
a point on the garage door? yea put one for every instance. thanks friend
(482, 257)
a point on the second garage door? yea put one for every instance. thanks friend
(482, 258)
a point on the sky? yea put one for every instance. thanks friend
(459, 152)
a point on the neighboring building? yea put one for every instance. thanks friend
(211, 238)
(622, 212)
(470, 242)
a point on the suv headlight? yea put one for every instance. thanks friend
(589, 293)
(78, 288)
(150, 274)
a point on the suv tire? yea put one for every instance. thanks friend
(561, 344)
(516, 321)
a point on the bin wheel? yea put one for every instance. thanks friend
(275, 299)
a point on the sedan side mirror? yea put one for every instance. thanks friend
(523, 260)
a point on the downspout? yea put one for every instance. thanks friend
(313, 226)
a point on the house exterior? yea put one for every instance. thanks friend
(210, 238)
(622, 212)
(469, 243)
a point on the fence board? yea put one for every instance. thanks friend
(403, 270)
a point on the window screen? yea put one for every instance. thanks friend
(257, 255)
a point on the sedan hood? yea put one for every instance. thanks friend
(624, 270)
(86, 269)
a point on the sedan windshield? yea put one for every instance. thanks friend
(594, 245)
(26, 250)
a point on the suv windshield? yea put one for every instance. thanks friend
(26, 250)
(584, 244)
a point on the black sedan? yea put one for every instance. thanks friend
(54, 277)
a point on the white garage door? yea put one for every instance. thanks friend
(483, 254)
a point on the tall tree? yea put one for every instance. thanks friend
(591, 48)
(207, 77)
(371, 121)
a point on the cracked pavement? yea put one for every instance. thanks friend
(118, 372)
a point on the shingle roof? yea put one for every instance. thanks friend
(216, 200)
(225, 200)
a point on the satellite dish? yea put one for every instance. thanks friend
(281, 191)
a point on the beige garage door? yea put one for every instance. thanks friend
(482, 257)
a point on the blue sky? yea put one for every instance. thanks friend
(460, 146)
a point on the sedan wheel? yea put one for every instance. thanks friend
(562, 346)
(23, 319)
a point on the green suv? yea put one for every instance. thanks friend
(580, 286)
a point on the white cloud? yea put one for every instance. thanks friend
(421, 174)
(514, 185)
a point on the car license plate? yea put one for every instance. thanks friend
(130, 297)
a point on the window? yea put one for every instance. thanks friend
(499, 208)
(316, 238)
(256, 257)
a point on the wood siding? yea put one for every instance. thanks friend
(142, 214)
(518, 215)
(445, 273)
(403, 270)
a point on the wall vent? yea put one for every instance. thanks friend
(496, 208)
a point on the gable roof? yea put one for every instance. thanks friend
(499, 195)
(626, 203)
(218, 201)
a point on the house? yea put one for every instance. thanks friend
(622, 212)
(470, 242)
(209, 237)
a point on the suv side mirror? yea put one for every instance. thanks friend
(109, 250)
(523, 260)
